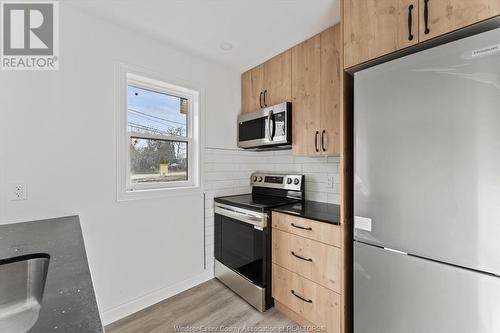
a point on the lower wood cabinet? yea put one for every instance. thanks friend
(318, 231)
(318, 305)
(307, 270)
(313, 260)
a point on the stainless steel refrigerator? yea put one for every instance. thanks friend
(427, 191)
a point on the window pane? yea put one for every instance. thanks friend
(152, 112)
(153, 161)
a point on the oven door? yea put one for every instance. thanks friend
(268, 127)
(241, 238)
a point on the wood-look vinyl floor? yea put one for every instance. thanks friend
(204, 308)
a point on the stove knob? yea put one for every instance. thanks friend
(260, 179)
(254, 178)
(289, 181)
(296, 181)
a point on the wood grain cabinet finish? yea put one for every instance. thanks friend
(278, 79)
(267, 84)
(330, 94)
(373, 28)
(252, 87)
(438, 17)
(313, 260)
(306, 96)
(316, 68)
(317, 304)
(322, 232)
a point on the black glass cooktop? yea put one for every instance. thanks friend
(255, 202)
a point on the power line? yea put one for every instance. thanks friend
(156, 121)
(151, 116)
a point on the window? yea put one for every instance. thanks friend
(160, 146)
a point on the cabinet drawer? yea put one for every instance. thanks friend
(319, 231)
(315, 303)
(314, 260)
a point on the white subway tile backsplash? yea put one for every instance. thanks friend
(320, 167)
(333, 198)
(219, 175)
(317, 196)
(216, 167)
(289, 167)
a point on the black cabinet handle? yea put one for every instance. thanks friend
(300, 297)
(410, 22)
(316, 141)
(300, 257)
(426, 17)
(260, 99)
(300, 227)
(265, 92)
(323, 140)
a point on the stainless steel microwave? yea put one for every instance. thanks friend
(268, 128)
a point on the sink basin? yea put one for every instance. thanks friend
(22, 280)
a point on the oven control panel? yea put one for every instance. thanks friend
(280, 181)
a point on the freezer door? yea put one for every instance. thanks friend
(427, 153)
(396, 293)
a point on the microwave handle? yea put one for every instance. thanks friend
(270, 125)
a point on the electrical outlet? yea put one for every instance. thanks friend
(331, 182)
(18, 192)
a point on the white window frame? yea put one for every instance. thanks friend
(149, 81)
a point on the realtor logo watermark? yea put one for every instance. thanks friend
(29, 35)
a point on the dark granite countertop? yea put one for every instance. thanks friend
(68, 303)
(319, 211)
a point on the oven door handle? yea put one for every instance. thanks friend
(259, 220)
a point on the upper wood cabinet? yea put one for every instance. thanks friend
(331, 71)
(306, 81)
(308, 75)
(316, 69)
(267, 84)
(373, 28)
(278, 79)
(252, 89)
(438, 17)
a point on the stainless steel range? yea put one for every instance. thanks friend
(243, 237)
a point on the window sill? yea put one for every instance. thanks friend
(158, 193)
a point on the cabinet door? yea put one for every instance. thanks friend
(306, 58)
(311, 301)
(447, 15)
(252, 85)
(278, 79)
(373, 28)
(315, 261)
(330, 90)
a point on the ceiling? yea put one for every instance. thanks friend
(256, 29)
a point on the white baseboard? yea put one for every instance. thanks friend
(123, 310)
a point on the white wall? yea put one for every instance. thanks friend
(57, 136)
